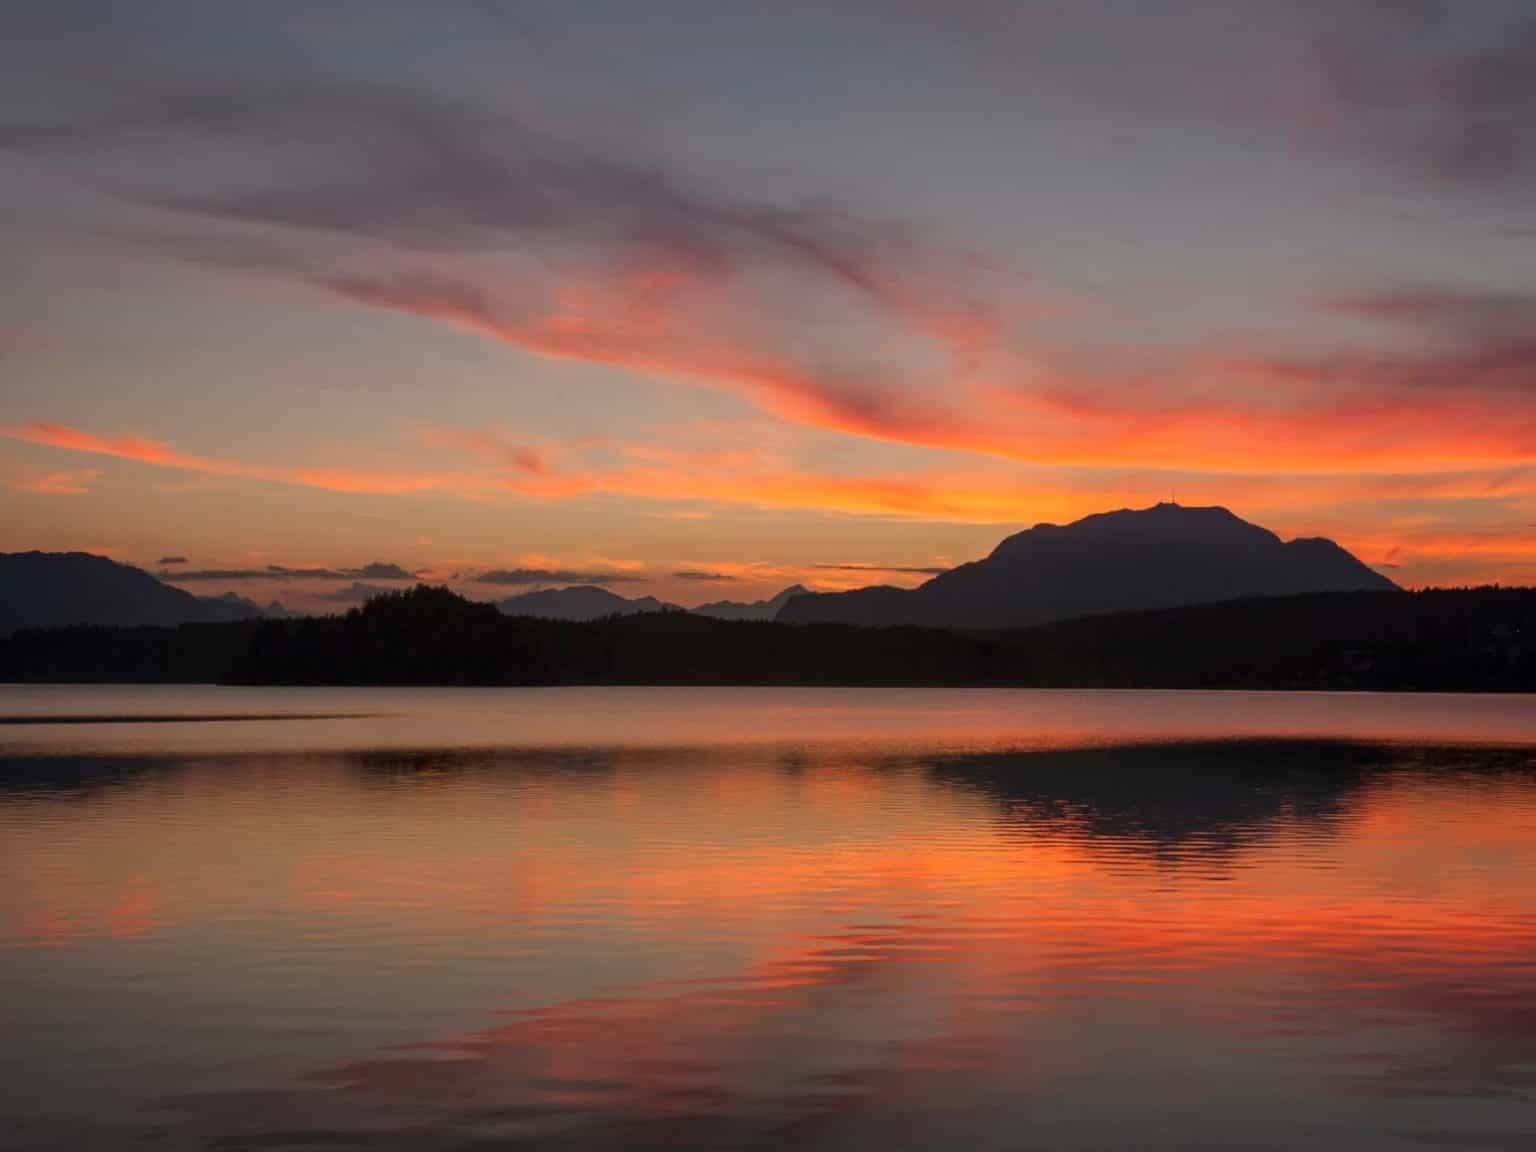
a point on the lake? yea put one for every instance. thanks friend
(243, 918)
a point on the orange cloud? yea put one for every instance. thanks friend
(1344, 433)
(332, 479)
(599, 322)
(906, 496)
(1345, 415)
(122, 447)
(925, 496)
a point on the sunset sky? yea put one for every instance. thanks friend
(703, 299)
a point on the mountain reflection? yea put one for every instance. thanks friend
(79, 777)
(1175, 798)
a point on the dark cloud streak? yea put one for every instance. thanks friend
(1477, 342)
(378, 570)
(518, 577)
(1403, 79)
(406, 169)
(892, 568)
(374, 571)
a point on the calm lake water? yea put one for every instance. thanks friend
(765, 918)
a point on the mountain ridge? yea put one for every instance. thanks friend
(1116, 561)
(750, 610)
(59, 589)
(1125, 560)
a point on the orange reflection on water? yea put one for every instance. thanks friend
(63, 910)
(770, 943)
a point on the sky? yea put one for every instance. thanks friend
(698, 300)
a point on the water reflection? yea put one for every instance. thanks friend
(1210, 797)
(79, 777)
(1255, 943)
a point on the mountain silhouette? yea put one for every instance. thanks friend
(754, 610)
(54, 589)
(1166, 556)
(580, 602)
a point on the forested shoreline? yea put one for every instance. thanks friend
(1440, 640)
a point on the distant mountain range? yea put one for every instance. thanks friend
(1162, 557)
(589, 602)
(54, 589)
(1167, 556)
(755, 610)
(580, 602)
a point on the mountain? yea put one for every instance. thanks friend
(53, 589)
(1166, 556)
(580, 602)
(754, 610)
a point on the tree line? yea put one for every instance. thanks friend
(1478, 639)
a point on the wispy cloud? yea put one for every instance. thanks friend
(477, 218)
(402, 170)
(1458, 313)
(596, 319)
(1427, 88)
(1444, 89)
(1346, 411)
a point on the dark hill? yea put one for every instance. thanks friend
(1166, 556)
(54, 589)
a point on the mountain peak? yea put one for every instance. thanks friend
(1165, 521)
(1164, 556)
